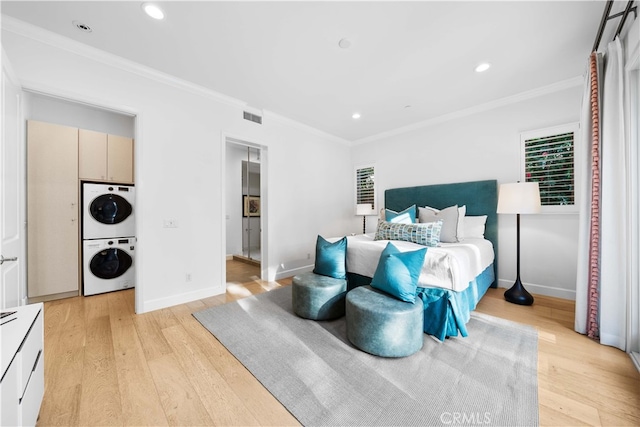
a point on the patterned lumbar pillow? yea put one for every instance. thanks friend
(398, 272)
(331, 258)
(427, 234)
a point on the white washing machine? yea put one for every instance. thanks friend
(107, 211)
(108, 265)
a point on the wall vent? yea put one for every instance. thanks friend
(253, 117)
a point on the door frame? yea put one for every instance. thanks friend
(137, 135)
(13, 273)
(264, 201)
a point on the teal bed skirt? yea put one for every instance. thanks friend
(446, 312)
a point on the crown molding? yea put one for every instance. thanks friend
(8, 69)
(270, 115)
(41, 35)
(47, 37)
(545, 90)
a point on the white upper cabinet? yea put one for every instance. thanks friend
(105, 157)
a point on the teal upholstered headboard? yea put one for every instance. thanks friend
(481, 198)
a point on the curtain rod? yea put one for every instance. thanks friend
(606, 17)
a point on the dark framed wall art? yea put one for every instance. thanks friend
(250, 206)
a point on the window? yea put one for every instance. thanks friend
(366, 186)
(549, 159)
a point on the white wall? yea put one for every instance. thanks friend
(180, 166)
(486, 145)
(54, 110)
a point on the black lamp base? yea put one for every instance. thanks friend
(517, 294)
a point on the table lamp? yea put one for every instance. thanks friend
(363, 209)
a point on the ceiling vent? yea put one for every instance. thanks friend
(252, 117)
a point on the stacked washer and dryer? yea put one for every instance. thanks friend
(108, 237)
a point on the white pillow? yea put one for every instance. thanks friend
(453, 227)
(474, 226)
(450, 217)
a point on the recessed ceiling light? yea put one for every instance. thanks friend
(483, 67)
(356, 115)
(82, 27)
(344, 43)
(153, 11)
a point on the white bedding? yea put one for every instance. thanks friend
(449, 266)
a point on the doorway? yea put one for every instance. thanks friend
(59, 132)
(245, 203)
(251, 248)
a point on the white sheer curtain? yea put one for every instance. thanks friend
(605, 236)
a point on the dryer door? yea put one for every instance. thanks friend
(110, 263)
(110, 209)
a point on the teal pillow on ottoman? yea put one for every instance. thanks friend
(331, 258)
(398, 272)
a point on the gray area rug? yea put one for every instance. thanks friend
(486, 379)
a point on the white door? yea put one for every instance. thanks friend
(12, 210)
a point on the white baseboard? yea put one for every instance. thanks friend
(541, 289)
(281, 274)
(636, 359)
(160, 303)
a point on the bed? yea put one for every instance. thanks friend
(455, 276)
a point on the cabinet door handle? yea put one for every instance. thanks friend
(3, 259)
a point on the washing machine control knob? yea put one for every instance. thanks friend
(110, 242)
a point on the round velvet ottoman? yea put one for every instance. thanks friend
(318, 297)
(383, 325)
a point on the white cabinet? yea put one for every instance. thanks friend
(105, 157)
(120, 159)
(22, 385)
(58, 157)
(53, 232)
(92, 152)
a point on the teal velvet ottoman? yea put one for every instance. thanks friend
(318, 297)
(383, 325)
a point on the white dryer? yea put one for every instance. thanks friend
(107, 211)
(108, 265)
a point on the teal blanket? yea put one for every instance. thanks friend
(446, 312)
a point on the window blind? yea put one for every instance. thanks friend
(365, 185)
(549, 161)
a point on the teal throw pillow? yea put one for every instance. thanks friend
(398, 272)
(331, 258)
(407, 216)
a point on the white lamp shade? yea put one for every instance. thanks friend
(519, 198)
(364, 209)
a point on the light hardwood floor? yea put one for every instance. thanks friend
(105, 365)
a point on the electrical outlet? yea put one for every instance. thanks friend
(170, 223)
(188, 277)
